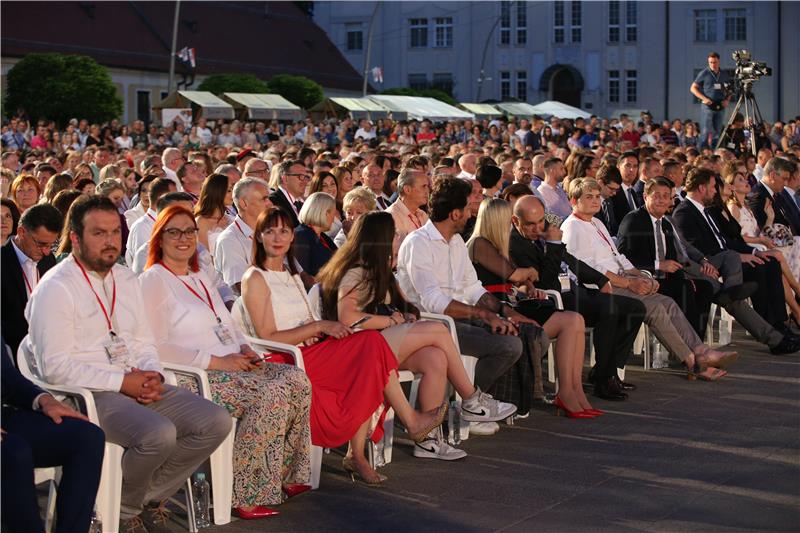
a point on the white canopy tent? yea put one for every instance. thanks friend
(203, 104)
(551, 108)
(264, 106)
(420, 108)
(517, 109)
(356, 108)
(482, 111)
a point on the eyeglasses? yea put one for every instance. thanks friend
(299, 175)
(176, 234)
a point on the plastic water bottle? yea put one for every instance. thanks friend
(201, 500)
(660, 355)
(95, 526)
(378, 449)
(454, 423)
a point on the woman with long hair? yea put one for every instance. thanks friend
(488, 250)
(344, 184)
(358, 286)
(350, 373)
(192, 326)
(56, 184)
(9, 219)
(211, 209)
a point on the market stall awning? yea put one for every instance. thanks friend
(482, 111)
(420, 108)
(264, 106)
(551, 108)
(356, 108)
(517, 109)
(210, 106)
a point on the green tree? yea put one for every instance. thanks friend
(299, 90)
(233, 83)
(60, 87)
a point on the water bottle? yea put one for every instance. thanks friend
(201, 500)
(95, 526)
(454, 423)
(659, 354)
(378, 449)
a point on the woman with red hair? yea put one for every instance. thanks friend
(271, 402)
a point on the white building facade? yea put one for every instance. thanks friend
(602, 56)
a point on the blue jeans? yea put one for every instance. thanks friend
(710, 122)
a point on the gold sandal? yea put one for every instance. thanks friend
(350, 468)
(421, 435)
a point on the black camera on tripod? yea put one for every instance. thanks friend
(748, 70)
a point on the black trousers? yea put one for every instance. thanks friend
(33, 440)
(768, 300)
(693, 297)
(616, 321)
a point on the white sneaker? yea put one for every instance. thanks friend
(435, 448)
(483, 428)
(481, 407)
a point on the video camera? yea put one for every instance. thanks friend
(748, 70)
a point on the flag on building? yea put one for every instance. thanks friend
(377, 74)
(186, 55)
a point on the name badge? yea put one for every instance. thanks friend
(717, 86)
(117, 352)
(563, 279)
(223, 334)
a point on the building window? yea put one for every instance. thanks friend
(522, 85)
(705, 25)
(576, 21)
(444, 82)
(355, 36)
(558, 21)
(418, 81)
(522, 22)
(613, 21)
(631, 86)
(143, 106)
(505, 22)
(419, 33)
(631, 16)
(735, 25)
(613, 86)
(505, 86)
(443, 32)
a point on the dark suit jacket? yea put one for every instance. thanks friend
(311, 252)
(15, 294)
(610, 222)
(694, 228)
(636, 239)
(756, 201)
(525, 254)
(279, 199)
(621, 207)
(16, 390)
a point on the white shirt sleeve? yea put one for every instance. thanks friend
(417, 260)
(230, 259)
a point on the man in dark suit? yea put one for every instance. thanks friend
(294, 177)
(697, 224)
(610, 183)
(23, 261)
(648, 240)
(771, 188)
(626, 199)
(649, 168)
(39, 431)
(616, 319)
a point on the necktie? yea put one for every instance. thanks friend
(631, 199)
(660, 253)
(609, 214)
(298, 204)
(716, 231)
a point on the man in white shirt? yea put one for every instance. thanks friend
(373, 177)
(173, 160)
(234, 248)
(191, 178)
(88, 329)
(468, 163)
(555, 199)
(204, 132)
(589, 240)
(413, 189)
(366, 131)
(764, 155)
(140, 230)
(435, 273)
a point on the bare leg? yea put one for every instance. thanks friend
(355, 452)
(788, 277)
(569, 328)
(428, 333)
(789, 296)
(414, 421)
(432, 364)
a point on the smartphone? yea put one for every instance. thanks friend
(360, 321)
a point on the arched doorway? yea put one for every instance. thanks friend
(562, 83)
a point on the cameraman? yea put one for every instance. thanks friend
(709, 88)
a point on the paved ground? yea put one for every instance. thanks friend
(678, 456)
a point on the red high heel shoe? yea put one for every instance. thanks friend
(594, 412)
(258, 512)
(570, 414)
(293, 489)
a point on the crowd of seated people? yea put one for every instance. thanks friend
(120, 259)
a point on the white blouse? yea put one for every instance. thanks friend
(183, 324)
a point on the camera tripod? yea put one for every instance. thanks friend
(753, 122)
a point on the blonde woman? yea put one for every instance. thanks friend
(356, 203)
(488, 251)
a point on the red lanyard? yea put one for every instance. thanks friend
(209, 302)
(150, 216)
(240, 230)
(99, 301)
(605, 239)
(25, 278)
(414, 220)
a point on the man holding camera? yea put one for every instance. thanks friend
(709, 88)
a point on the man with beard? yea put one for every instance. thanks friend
(88, 329)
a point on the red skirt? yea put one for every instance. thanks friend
(347, 380)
